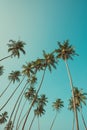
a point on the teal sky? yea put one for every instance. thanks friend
(41, 23)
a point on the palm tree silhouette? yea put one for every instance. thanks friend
(41, 102)
(14, 76)
(66, 52)
(15, 47)
(48, 61)
(57, 105)
(80, 99)
(3, 117)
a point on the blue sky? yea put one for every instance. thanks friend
(41, 23)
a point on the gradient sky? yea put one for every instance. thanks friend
(41, 23)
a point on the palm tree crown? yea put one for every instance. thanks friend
(58, 104)
(3, 117)
(14, 76)
(65, 51)
(15, 47)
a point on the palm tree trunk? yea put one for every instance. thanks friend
(34, 100)
(5, 57)
(73, 122)
(32, 122)
(21, 95)
(21, 120)
(71, 85)
(5, 89)
(53, 121)
(83, 118)
(12, 94)
(20, 114)
(38, 123)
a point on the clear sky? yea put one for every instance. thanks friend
(41, 23)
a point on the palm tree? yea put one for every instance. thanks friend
(57, 105)
(15, 47)
(41, 101)
(28, 69)
(66, 52)
(12, 94)
(80, 99)
(14, 76)
(29, 95)
(9, 126)
(3, 117)
(1, 70)
(49, 61)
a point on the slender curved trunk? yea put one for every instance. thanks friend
(21, 120)
(34, 99)
(38, 123)
(12, 94)
(71, 85)
(6, 57)
(5, 89)
(32, 122)
(73, 122)
(53, 121)
(83, 118)
(20, 96)
(20, 115)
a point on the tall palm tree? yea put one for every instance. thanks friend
(3, 117)
(40, 109)
(1, 70)
(15, 47)
(66, 52)
(57, 105)
(80, 99)
(14, 76)
(49, 61)
(29, 95)
(12, 94)
(9, 126)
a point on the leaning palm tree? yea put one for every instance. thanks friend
(29, 95)
(12, 94)
(57, 105)
(49, 61)
(1, 70)
(14, 76)
(9, 126)
(15, 47)
(3, 117)
(80, 99)
(41, 102)
(66, 52)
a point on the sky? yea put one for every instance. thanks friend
(41, 24)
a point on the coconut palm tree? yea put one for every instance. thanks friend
(29, 95)
(28, 69)
(39, 111)
(3, 117)
(15, 47)
(57, 105)
(9, 126)
(12, 94)
(49, 61)
(41, 101)
(66, 52)
(1, 70)
(14, 76)
(80, 99)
